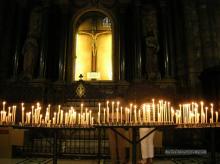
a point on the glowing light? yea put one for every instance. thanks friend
(83, 57)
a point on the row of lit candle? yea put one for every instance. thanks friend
(113, 113)
(7, 116)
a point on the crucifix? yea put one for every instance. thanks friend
(94, 34)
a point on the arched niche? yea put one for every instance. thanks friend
(92, 47)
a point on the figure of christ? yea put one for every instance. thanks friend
(94, 35)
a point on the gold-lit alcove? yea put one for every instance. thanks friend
(93, 47)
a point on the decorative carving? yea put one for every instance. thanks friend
(80, 90)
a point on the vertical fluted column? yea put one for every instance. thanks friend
(205, 35)
(167, 39)
(44, 41)
(122, 44)
(63, 46)
(137, 41)
(18, 44)
(7, 39)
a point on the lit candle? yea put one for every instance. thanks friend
(61, 117)
(4, 105)
(99, 116)
(79, 118)
(81, 109)
(22, 115)
(144, 114)
(126, 115)
(117, 114)
(159, 119)
(172, 114)
(55, 117)
(90, 116)
(206, 110)
(165, 111)
(87, 117)
(121, 115)
(212, 119)
(202, 112)
(113, 111)
(168, 111)
(40, 118)
(130, 112)
(153, 109)
(107, 108)
(148, 112)
(104, 116)
(139, 115)
(135, 114)
(14, 113)
(58, 115)
(216, 117)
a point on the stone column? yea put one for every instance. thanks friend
(122, 43)
(180, 48)
(44, 41)
(18, 45)
(63, 46)
(7, 39)
(167, 39)
(193, 46)
(205, 35)
(216, 27)
(137, 41)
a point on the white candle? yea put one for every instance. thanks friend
(216, 117)
(130, 112)
(139, 116)
(81, 109)
(55, 117)
(206, 117)
(58, 115)
(168, 111)
(99, 115)
(153, 109)
(144, 114)
(87, 117)
(79, 119)
(22, 115)
(113, 111)
(135, 114)
(121, 115)
(172, 115)
(104, 116)
(202, 111)
(212, 118)
(90, 116)
(4, 105)
(61, 117)
(107, 108)
(117, 114)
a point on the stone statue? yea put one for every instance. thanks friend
(152, 45)
(30, 52)
(152, 48)
(30, 48)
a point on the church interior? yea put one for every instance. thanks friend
(129, 64)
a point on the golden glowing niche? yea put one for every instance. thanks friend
(84, 52)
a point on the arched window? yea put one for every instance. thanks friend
(93, 47)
